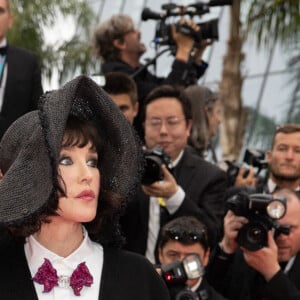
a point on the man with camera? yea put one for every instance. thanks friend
(283, 160)
(117, 42)
(183, 255)
(188, 186)
(267, 265)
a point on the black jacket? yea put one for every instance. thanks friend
(181, 74)
(23, 86)
(204, 185)
(126, 276)
(233, 278)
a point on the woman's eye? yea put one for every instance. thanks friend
(65, 161)
(93, 162)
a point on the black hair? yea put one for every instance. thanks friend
(187, 230)
(117, 83)
(104, 228)
(169, 91)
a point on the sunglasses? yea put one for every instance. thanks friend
(282, 229)
(187, 236)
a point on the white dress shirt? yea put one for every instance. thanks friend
(172, 204)
(89, 252)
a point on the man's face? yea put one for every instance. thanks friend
(176, 251)
(124, 103)
(289, 245)
(133, 44)
(284, 158)
(166, 126)
(6, 19)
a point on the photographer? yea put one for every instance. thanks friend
(189, 185)
(179, 239)
(117, 42)
(271, 272)
(283, 163)
(284, 159)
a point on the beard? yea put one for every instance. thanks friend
(283, 177)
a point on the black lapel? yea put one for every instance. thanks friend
(184, 171)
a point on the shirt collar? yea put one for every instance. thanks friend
(36, 253)
(272, 186)
(3, 43)
(176, 161)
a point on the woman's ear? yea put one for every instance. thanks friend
(1, 174)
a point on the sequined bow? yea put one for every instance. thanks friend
(47, 276)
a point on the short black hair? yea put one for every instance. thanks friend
(169, 91)
(120, 83)
(187, 230)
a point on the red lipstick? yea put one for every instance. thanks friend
(86, 195)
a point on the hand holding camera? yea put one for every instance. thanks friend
(265, 260)
(185, 42)
(246, 177)
(165, 188)
(262, 212)
(232, 225)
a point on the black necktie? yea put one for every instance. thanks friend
(3, 50)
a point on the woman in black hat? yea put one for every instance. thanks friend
(67, 170)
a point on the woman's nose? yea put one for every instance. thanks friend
(85, 174)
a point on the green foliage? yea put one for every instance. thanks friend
(274, 20)
(31, 20)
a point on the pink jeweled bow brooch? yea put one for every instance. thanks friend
(47, 276)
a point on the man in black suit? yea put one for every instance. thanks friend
(185, 240)
(193, 187)
(270, 273)
(20, 75)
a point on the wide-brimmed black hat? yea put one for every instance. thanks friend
(30, 148)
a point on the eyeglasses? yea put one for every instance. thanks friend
(170, 122)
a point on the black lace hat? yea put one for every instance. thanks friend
(30, 148)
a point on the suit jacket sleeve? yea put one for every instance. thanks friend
(281, 286)
(204, 198)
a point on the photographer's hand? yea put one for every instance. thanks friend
(166, 188)
(265, 260)
(185, 43)
(249, 180)
(232, 224)
(200, 50)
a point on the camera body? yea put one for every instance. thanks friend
(262, 211)
(252, 157)
(163, 34)
(154, 159)
(177, 273)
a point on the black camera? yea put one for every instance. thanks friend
(163, 34)
(177, 273)
(154, 159)
(262, 211)
(252, 157)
